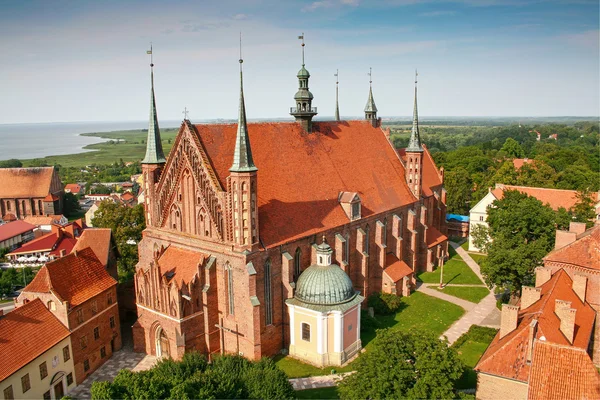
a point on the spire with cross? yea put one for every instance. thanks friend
(303, 112)
(154, 150)
(414, 143)
(371, 108)
(185, 113)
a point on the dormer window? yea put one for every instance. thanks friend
(356, 210)
(351, 204)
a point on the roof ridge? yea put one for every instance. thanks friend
(539, 188)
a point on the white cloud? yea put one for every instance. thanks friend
(590, 39)
(239, 17)
(438, 13)
(329, 4)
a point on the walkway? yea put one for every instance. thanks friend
(315, 382)
(124, 358)
(484, 313)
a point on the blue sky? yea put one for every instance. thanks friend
(86, 61)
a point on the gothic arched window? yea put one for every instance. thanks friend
(384, 233)
(230, 299)
(268, 295)
(347, 249)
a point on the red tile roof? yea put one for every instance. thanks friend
(67, 244)
(25, 182)
(9, 217)
(507, 356)
(43, 243)
(99, 240)
(561, 372)
(26, 333)
(431, 176)
(434, 237)
(396, 269)
(51, 197)
(13, 229)
(519, 162)
(584, 252)
(76, 278)
(301, 174)
(44, 219)
(179, 265)
(73, 188)
(555, 198)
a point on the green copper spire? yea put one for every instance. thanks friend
(337, 105)
(154, 150)
(370, 108)
(242, 156)
(414, 144)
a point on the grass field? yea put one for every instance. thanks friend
(478, 258)
(455, 271)
(471, 347)
(473, 294)
(418, 311)
(130, 147)
(321, 393)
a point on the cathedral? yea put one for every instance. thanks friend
(255, 228)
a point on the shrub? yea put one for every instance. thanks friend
(384, 303)
(368, 323)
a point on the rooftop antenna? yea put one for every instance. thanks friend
(302, 38)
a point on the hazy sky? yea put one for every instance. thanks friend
(86, 60)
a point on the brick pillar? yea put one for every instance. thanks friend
(580, 286)
(542, 275)
(509, 319)
(566, 314)
(529, 295)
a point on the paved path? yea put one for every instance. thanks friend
(314, 382)
(124, 358)
(467, 258)
(467, 305)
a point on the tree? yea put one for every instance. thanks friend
(406, 365)
(100, 189)
(71, 205)
(459, 187)
(512, 148)
(127, 224)
(583, 210)
(227, 377)
(522, 230)
(12, 163)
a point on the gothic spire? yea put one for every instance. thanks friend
(242, 156)
(154, 150)
(370, 108)
(337, 105)
(414, 144)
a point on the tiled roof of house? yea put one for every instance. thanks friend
(396, 269)
(584, 252)
(99, 240)
(434, 237)
(43, 243)
(300, 174)
(555, 198)
(76, 278)
(506, 356)
(562, 372)
(431, 175)
(51, 197)
(519, 162)
(66, 243)
(26, 333)
(25, 182)
(74, 188)
(179, 265)
(44, 219)
(14, 228)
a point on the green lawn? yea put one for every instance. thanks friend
(478, 258)
(77, 215)
(465, 245)
(469, 293)
(321, 393)
(131, 148)
(455, 271)
(418, 311)
(471, 347)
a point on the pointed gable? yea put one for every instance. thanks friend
(26, 182)
(584, 252)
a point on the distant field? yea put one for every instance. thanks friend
(126, 145)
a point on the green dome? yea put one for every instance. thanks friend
(324, 285)
(303, 73)
(303, 94)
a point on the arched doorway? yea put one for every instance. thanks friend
(162, 343)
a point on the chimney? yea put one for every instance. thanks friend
(62, 252)
(509, 319)
(542, 275)
(564, 238)
(532, 332)
(529, 295)
(580, 285)
(566, 315)
(577, 227)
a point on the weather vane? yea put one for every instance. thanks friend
(301, 37)
(150, 52)
(416, 74)
(185, 113)
(241, 59)
(370, 76)
(337, 73)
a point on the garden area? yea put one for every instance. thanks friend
(474, 294)
(470, 348)
(455, 271)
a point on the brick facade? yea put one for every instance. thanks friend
(490, 387)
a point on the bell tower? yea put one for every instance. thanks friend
(242, 184)
(371, 108)
(154, 160)
(303, 112)
(414, 153)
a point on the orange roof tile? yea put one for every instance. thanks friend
(74, 188)
(99, 240)
(507, 356)
(179, 265)
(44, 219)
(300, 174)
(561, 372)
(51, 197)
(396, 269)
(26, 333)
(76, 278)
(14, 228)
(555, 198)
(584, 252)
(65, 244)
(434, 237)
(25, 182)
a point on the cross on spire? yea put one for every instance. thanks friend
(185, 113)
(370, 76)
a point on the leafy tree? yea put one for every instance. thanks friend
(459, 186)
(12, 163)
(228, 377)
(100, 189)
(583, 210)
(407, 365)
(522, 230)
(563, 219)
(71, 205)
(538, 174)
(127, 224)
(506, 174)
(512, 148)
(481, 237)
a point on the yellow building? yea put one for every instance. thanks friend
(36, 358)
(324, 314)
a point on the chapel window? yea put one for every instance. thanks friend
(305, 331)
(297, 257)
